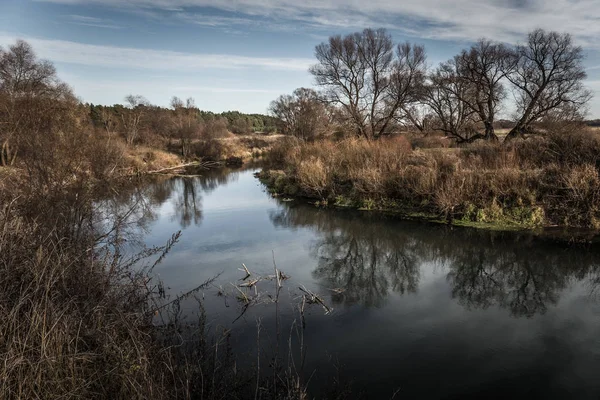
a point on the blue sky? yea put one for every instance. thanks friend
(241, 54)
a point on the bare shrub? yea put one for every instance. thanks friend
(105, 156)
(313, 176)
(214, 129)
(574, 147)
(574, 196)
(211, 150)
(429, 141)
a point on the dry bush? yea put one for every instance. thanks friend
(572, 195)
(214, 129)
(313, 176)
(72, 327)
(211, 150)
(578, 147)
(541, 179)
(486, 155)
(431, 140)
(532, 153)
(106, 155)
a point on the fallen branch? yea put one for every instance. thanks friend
(247, 272)
(181, 166)
(250, 283)
(312, 298)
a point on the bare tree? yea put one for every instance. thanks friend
(186, 124)
(408, 84)
(108, 121)
(420, 114)
(132, 118)
(302, 114)
(23, 78)
(445, 94)
(482, 69)
(365, 77)
(548, 78)
(177, 103)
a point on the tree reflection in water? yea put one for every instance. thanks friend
(188, 205)
(524, 276)
(128, 210)
(366, 266)
(369, 256)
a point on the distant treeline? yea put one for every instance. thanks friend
(156, 117)
(593, 122)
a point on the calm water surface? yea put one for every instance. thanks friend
(431, 311)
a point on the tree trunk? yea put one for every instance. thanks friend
(7, 156)
(3, 156)
(515, 132)
(490, 135)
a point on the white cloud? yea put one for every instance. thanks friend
(91, 21)
(437, 19)
(593, 85)
(123, 57)
(211, 89)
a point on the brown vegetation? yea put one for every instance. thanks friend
(542, 181)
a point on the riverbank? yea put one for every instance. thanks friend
(84, 314)
(541, 183)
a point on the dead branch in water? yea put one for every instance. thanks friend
(312, 298)
(198, 164)
(246, 270)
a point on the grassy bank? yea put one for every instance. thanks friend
(544, 181)
(228, 150)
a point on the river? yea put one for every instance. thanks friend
(417, 309)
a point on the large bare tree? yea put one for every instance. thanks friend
(362, 74)
(482, 69)
(548, 79)
(445, 94)
(186, 124)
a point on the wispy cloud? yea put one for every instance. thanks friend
(124, 57)
(91, 21)
(211, 89)
(436, 19)
(594, 85)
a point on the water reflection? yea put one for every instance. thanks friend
(414, 303)
(368, 257)
(525, 277)
(188, 206)
(364, 257)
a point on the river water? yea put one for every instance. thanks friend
(421, 310)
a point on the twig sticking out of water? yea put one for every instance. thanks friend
(247, 272)
(251, 283)
(312, 298)
(242, 297)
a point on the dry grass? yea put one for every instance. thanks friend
(73, 326)
(539, 181)
(141, 158)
